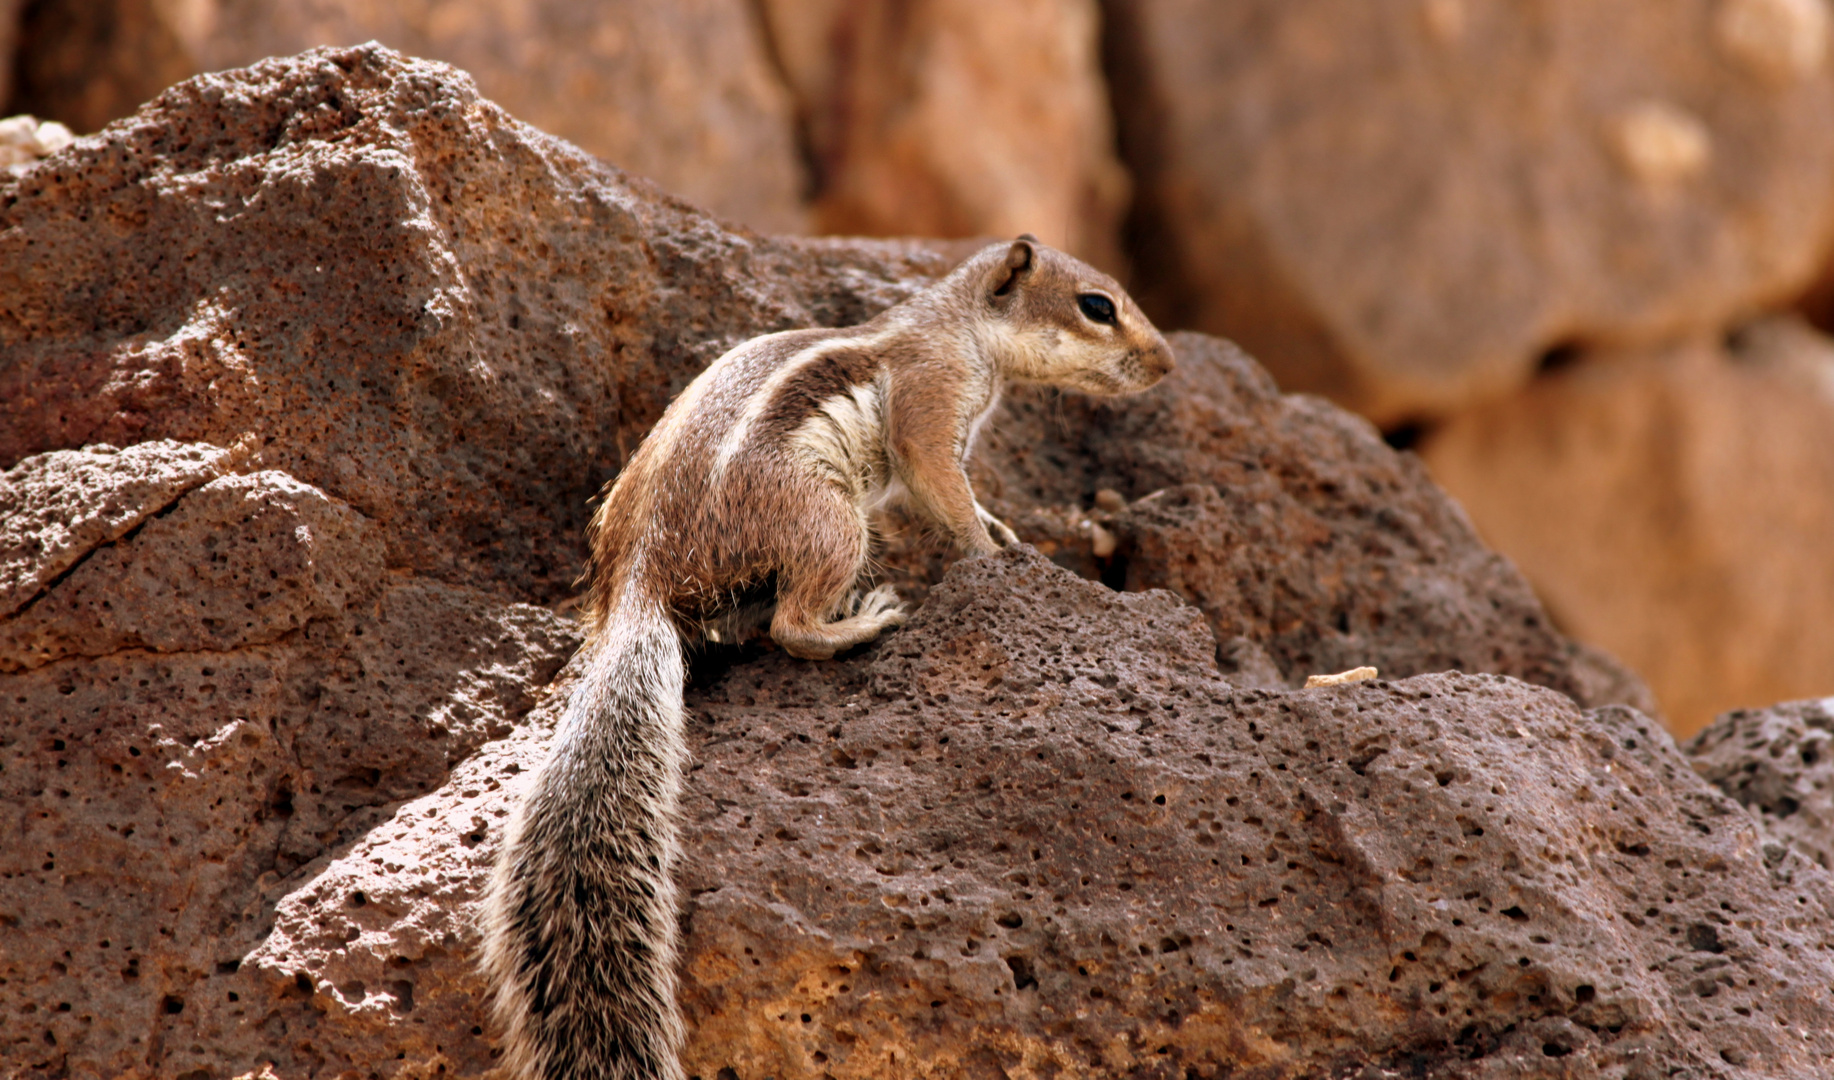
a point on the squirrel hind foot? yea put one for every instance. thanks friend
(813, 640)
(881, 602)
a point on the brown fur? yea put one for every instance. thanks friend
(936, 362)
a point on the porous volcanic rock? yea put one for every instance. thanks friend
(956, 118)
(193, 713)
(1779, 763)
(369, 344)
(1034, 833)
(521, 314)
(54, 511)
(680, 91)
(1673, 505)
(1404, 205)
(457, 324)
(287, 551)
(1306, 541)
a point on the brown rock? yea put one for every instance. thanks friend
(56, 509)
(1287, 521)
(252, 845)
(469, 391)
(289, 554)
(171, 774)
(1779, 764)
(680, 92)
(1403, 205)
(1672, 506)
(1122, 867)
(1034, 831)
(375, 313)
(955, 118)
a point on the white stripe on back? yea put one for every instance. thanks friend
(735, 438)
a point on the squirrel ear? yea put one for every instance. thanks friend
(1019, 261)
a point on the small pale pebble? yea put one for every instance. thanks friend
(1110, 500)
(19, 131)
(1339, 679)
(23, 141)
(52, 137)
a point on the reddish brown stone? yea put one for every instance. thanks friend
(1287, 521)
(1033, 831)
(956, 118)
(1779, 764)
(1404, 205)
(1674, 506)
(254, 844)
(682, 92)
(53, 512)
(455, 323)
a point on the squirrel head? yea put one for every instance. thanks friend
(1051, 318)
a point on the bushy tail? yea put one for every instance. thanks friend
(580, 920)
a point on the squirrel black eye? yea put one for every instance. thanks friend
(1096, 308)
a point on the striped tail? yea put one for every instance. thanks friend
(580, 919)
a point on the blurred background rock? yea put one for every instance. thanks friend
(1575, 253)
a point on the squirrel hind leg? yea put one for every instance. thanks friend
(819, 578)
(811, 639)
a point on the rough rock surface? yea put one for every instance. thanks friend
(523, 313)
(955, 118)
(1305, 540)
(454, 322)
(681, 92)
(1034, 833)
(1779, 763)
(208, 704)
(1403, 205)
(1124, 867)
(286, 551)
(53, 511)
(260, 733)
(1673, 506)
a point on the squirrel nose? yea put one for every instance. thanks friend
(1160, 362)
